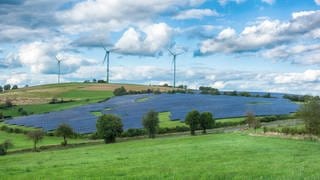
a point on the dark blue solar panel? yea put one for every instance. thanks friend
(131, 111)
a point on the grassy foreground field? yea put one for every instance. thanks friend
(215, 156)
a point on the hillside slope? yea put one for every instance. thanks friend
(76, 91)
(35, 100)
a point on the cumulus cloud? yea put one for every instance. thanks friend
(304, 77)
(115, 15)
(307, 54)
(148, 41)
(40, 58)
(263, 34)
(11, 60)
(195, 14)
(92, 40)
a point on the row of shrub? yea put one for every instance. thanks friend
(17, 130)
(122, 91)
(300, 98)
(214, 91)
(286, 130)
(133, 132)
(275, 118)
(59, 101)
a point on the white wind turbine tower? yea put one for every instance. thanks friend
(106, 57)
(59, 59)
(174, 54)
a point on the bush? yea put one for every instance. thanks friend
(120, 91)
(101, 81)
(132, 132)
(5, 146)
(8, 103)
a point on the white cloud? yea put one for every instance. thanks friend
(264, 34)
(300, 54)
(227, 33)
(269, 1)
(149, 41)
(317, 2)
(195, 14)
(224, 2)
(219, 85)
(115, 15)
(10, 33)
(291, 78)
(40, 58)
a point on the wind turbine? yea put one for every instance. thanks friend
(174, 54)
(106, 57)
(59, 59)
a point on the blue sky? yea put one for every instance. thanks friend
(244, 45)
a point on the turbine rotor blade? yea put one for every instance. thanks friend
(105, 56)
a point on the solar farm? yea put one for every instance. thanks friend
(131, 109)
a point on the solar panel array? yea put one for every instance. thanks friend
(131, 110)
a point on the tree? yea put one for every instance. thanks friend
(120, 91)
(310, 113)
(206, 121)
(109, 127)
(150, 122)
(8, 103)
(5, 146)
(1, 89)
(36, 136)
(65, 131)
(192, 119)
(252, 121)
(7, 87)
(14, 87)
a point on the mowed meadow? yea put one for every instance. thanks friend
(214, 156)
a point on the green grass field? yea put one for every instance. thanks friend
(215, 156)
(165, 121)
(20, 141)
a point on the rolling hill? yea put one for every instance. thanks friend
(36, 99)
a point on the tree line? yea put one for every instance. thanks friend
(8, 87)
(214, 91)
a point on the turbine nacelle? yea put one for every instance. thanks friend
(59, 59)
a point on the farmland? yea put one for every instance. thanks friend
(36, 100)
(216, 156)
